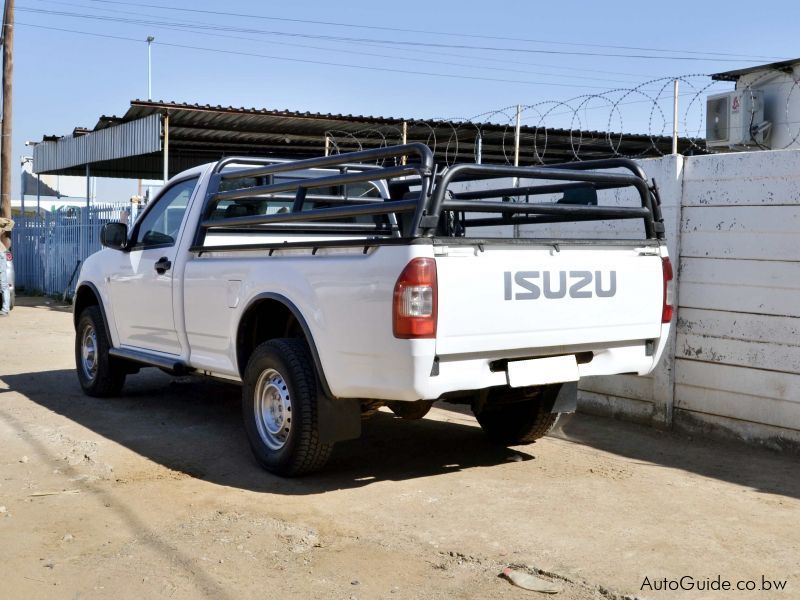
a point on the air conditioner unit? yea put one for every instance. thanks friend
(735, 120)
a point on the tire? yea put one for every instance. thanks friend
(99, 374)
(517, 416)
(279, 406)
(411, 410)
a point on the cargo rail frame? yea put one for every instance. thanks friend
(414, 214)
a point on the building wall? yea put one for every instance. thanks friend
(781, 104)
(734, 366)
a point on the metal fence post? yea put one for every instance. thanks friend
(675, 117)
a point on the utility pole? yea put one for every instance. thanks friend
(5, 145)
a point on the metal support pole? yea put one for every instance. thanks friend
(166, 147)
(405, 140)
(22, 190)
(675, 117)
(479, 146)
(516, 136)
(150, 39)
(84, 238)
(515, 182)
(327, 145)
(38, 194)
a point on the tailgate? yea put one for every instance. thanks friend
(525, 296)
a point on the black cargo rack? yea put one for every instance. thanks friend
(407, 213)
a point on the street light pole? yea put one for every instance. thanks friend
(150, 40)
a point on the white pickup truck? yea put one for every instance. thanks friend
(331, 286)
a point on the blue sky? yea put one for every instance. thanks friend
(65, 79)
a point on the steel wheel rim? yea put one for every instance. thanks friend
(273, 409)
(89, 352)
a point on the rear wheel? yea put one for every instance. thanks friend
(99, 374)
(512, 416)
(279, 406)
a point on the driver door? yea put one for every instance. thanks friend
(141, 284)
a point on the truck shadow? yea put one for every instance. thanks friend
(761, 469)
(194, 426)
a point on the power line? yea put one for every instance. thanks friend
(426, 31)
(394, 42)
(504, 61)
(315, 62)
(184, 28)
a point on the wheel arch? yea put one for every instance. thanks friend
(88, 295)
(285, 320)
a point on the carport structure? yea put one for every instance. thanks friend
(157, 139)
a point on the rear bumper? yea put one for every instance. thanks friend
(459, 374)
(422, 375)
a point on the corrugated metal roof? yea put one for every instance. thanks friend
(203, 133)
(134, 138)
(784, 65)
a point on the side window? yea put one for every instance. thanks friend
(283, 202)
(161, 224)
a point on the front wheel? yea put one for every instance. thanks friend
(279, 406)
(99, 374)
(511, 416)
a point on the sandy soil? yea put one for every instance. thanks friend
(155, 495)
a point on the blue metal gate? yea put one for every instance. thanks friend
(49, 249)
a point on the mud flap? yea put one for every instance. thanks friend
(338, 419)
(567, 398)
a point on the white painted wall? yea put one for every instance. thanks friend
(735, 363)
(738, 345)
(650, 398)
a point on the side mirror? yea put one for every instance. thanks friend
(114, 236)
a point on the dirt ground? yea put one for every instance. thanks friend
(156, 495)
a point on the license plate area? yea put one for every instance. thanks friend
(542, 371)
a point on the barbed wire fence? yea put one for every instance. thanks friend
(658, 108)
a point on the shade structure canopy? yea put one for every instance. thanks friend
(186, 135)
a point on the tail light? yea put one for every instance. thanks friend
(669, 291)
(415, 304)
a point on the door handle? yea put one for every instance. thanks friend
(163, 265)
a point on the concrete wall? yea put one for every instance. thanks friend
(647, 399)
(738, 345)
(734, 365)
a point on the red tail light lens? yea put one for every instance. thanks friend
(415, 304)
(669, 291)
